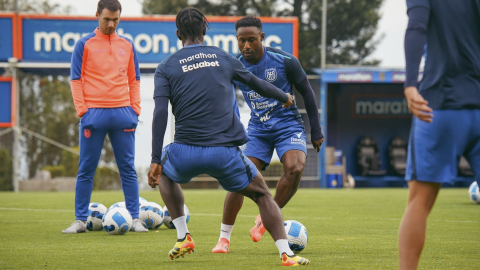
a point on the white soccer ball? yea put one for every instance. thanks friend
(151, 215)
(95, 216)
(474, 192)
(142, 200)
(117, 221)
(167, 219)
(297, 235)
(118, 204)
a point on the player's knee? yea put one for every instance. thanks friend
(294, 172)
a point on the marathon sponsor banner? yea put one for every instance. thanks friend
(6, 36)
(379, 106)
(52, 38)
(355, 77)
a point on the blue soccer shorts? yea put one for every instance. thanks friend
(181, 162)
(263, 142)
(435, 148)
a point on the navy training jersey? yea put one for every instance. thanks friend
(198, 81)
(282, 70)
(451, 78)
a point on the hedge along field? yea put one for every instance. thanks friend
(348, 229)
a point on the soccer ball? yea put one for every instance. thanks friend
(117, 221)
(142, 200)
(118, 204)
(95, 215)
(167, 219)
(297, 235)
(474, 192)
(151, 215)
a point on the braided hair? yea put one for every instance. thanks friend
(191, 22)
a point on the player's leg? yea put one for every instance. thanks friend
(259, 150)
(291, 148)
(236, 173)
(293, 165)
(178, 164)
(258, 191)
(91, 137)
(232, 205)
(122, 137)
(413, 227)
(433, 153)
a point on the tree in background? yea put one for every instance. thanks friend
(351, 24)
(33, 6)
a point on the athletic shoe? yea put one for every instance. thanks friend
(137, 226)
(294, 260)
(182, 246)
(79, 226)
(258, 230)
(222, 246)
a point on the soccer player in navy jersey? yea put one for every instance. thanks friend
(198, 82)
(271, 125)
(446, 108)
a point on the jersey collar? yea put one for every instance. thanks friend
(99, 34)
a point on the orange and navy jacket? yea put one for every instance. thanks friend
(104, 73)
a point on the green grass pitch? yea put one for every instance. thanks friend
(348, 229)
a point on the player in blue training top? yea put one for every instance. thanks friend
(198, 82)
(446, 108)
(271, 126)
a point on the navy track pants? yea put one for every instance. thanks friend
(120, 125)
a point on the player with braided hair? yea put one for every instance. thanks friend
(198, 82)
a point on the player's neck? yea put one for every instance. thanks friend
(259, 57)
(189, 42)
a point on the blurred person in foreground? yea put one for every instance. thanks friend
(198, 82)
(271, 127)
(446, 108)
(105, 82)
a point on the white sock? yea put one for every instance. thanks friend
(181, 226)
(282, 245)
(225, 231)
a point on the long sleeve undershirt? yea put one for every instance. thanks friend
(415, 40)
(305, 89)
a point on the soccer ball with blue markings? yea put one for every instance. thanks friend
(167, 219)
(474, 192)
(151, 215)
(95, 216)
(118, 204)
(117, 221)
(297, 235)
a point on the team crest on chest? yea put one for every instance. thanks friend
(271, 74)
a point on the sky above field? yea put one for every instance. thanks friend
(392, 25)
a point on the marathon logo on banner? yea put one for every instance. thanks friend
(355, 77)
(401, 77)
(379, 106)
(53, 39)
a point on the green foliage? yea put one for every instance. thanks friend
(351, 25)
(6, 174)
(106, 179)
(55, 171)
(33, 6)
(348, 229)
(70, 162)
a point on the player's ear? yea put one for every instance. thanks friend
(204, 31)
(97, 15)
(263, 36)
(178, 34)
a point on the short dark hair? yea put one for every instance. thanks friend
(248, 21)
(190, 22)
(112, 5)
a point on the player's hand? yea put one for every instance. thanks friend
(154, 175)
(317, 144)
(289, 102)
(418, 105)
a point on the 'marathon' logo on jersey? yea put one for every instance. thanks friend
(379, 106)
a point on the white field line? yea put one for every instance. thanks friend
(244, 216)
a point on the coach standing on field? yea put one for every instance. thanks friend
(105, 82)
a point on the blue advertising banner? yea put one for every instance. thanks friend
(52, 39)
(6, 37)
(5, 102)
